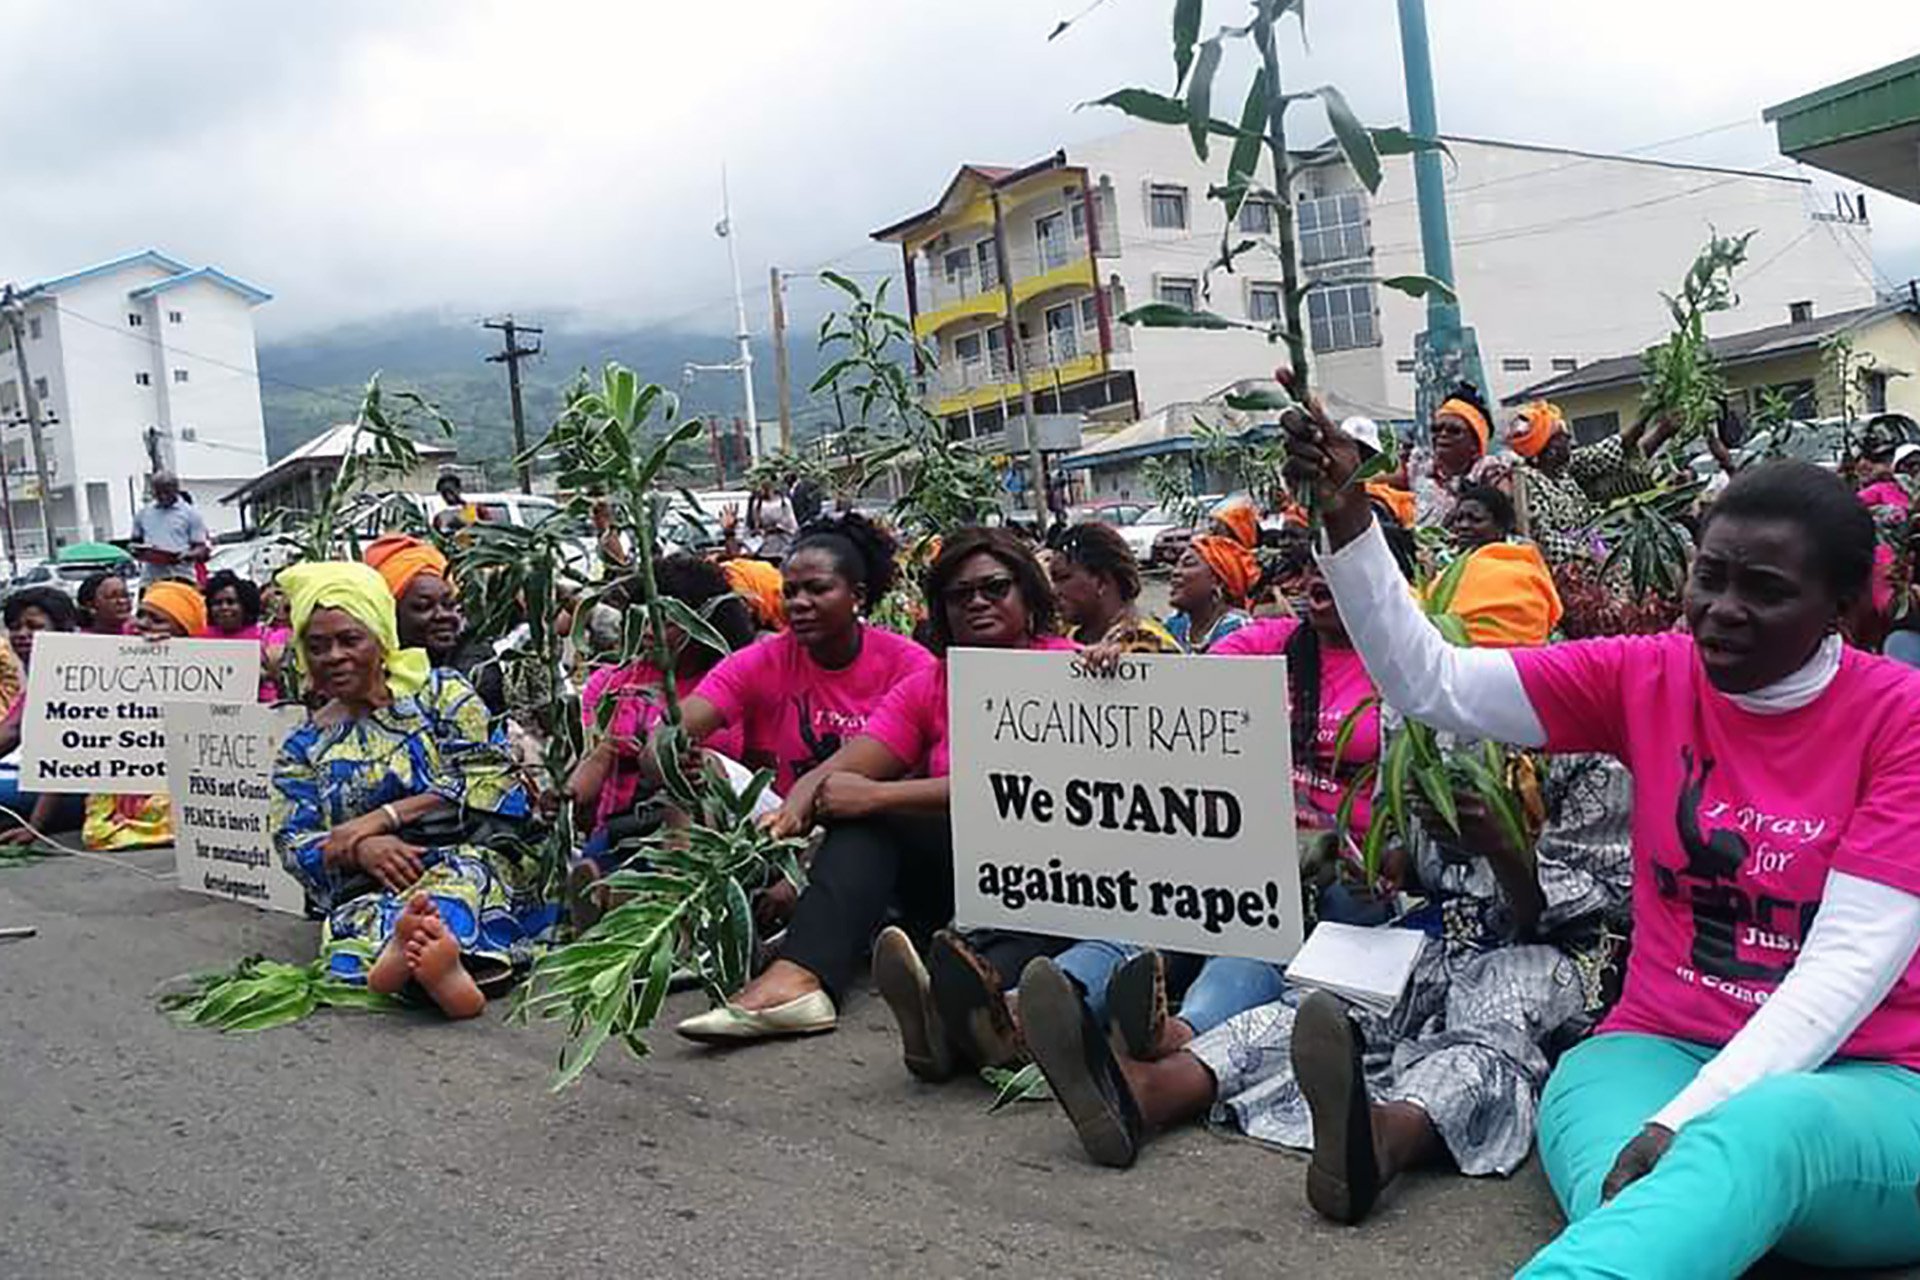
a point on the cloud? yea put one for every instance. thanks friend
(360, 159)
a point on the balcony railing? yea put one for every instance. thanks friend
(953, 377)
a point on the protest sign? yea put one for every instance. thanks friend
(92, 720)
(1151, 806)
(220, 770)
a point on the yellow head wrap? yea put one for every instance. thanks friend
(361, 593)
(179, 601)
(1534, 427)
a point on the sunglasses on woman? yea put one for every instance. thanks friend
(994, 589)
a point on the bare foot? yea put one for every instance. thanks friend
(1175, 1035)
(391, 971)
(434, 959)
(783, 981)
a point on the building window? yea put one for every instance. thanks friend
(1332, 229)
(174, 317)
(1263, 303)
(1063, 333)
(1178, 291)
(1050, 233)
(1800, 313)
(1874, 385)
(142, 379)
(179, 375)
(1565, 364)
(1595, 426)
(9, 397)
(1341, 318)
(958, 266)
(1256, 216)
(1404, 366)
(966, 349)
(1090, 314)
(41, 389)
(1516, 364)
(1077, 217)
(989, 262)
(1167, 207)
(33, 328)
(135, 319)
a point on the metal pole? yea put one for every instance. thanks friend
(740, 318)
(10, 306)
(511, 354)
(1448, 352)
(6, 506)
(782, 378)
(1036, 468)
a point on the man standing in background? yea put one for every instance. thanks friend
(170, 536)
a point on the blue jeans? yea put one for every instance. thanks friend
(1226, 985)
(1903, 646)
(1820, 1165)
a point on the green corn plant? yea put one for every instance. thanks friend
(614, 443)
(948, 484)
(1414, 765)
(1170, 481)
(1684, 383)
(258, 994)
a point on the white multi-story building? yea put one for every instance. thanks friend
(134, 360)
(1561, 259)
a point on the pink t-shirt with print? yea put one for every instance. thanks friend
(912, 721)
(1344, 685)
(793, 712)
(635, 687)
(1737, 819)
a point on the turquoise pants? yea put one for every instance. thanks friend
(1821, 1165)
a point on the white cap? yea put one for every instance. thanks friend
(1365, 430)
(1904, 452)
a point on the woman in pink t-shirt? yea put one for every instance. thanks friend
(883, 798)
(797, 696)
(1756, 1087)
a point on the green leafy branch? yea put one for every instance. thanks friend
(258, 994)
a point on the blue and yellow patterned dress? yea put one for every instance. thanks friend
(438, 741)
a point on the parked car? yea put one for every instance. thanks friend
(1140, 534)
(1120, 513)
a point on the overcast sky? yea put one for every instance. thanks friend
(361, 158)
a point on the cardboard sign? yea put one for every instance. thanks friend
(1154, 806)
(220, 771)
(92, 721)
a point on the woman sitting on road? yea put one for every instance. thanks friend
(620, 705)
(1209, 590)
(1776, 907)
(106, 605)
(428, 608)
(1518, 966)
(377, 801)
(796, 697)
(1506, 594)
(883, 797)
(1096, 581)
(28, 612)
(233, 613)
(169, 610)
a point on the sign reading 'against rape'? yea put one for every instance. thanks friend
(93, 719)
(220, 770)
(1153, 806)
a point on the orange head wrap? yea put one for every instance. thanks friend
(761, 586)
(1231, 563)
(1470, 415)
(1399, 501)
(1242, 520)
(1534, 427)
(400, 559)
(180, 601)
(1506, 596)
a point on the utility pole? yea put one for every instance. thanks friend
(724, 229)
(782, 385)
(1447, 352)
(511, 354)
(1036, 465)
(12, 311)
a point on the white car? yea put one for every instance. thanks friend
(1141, 533)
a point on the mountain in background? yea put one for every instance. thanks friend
(313, 382)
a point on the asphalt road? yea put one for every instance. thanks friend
(396, 1145)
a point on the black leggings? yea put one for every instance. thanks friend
(865, 868)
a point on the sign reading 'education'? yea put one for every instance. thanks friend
(94, 721)
(1154, 806)
(220, 771)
